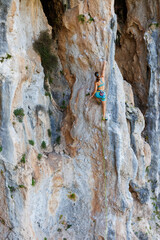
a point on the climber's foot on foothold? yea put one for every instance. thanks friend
(104, 118)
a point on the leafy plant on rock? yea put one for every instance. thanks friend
(12, 189)
(23, 159)
(43, 145)
(8, 56)
(47, 94)
(43, 47)
(72, 196)
(49, 133)
(33, 181)
(62, 72)
(39, 156)
(31, 142)
(19, 113)
(68, 226)
(2, 221)
(21, 186)
(156, 24)
(58, 140)
(63, 105)
(91, 19)
(156, 209)
(81, 18)
(4, 58)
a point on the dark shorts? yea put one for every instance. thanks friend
(100, 95)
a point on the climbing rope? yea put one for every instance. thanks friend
(104, 167)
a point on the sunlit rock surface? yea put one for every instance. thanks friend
(93, 179)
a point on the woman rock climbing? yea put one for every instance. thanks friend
(99, 87)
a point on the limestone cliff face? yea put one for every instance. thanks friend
(65, 174)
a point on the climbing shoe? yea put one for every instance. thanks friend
(104, 119)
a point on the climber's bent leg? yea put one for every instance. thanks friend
(98, 100)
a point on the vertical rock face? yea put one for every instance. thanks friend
(134, 19)
(137, 44)
(153, 111)
(24, 114)
(94, 181)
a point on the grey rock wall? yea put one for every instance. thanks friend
(153, 113)
(94, 179)
(4, 5)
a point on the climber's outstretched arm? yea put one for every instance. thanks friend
(103, 69)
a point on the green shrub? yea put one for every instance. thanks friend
(43, 47)
(19, 113)
(16, 167)
(91, 19)
(68, 226)
(8, 56)
(58, 140)
(1, 148)
(43, 145)
(12, 189)
(81, 18)
(62, 72)
(2, 221)
(33, 181)
(63, 105)
(23, 159)
(50, 79)
(72, 196)
(39, 156)
(31, 142)
(3, 58)
(49, 133)
(154, 24)
(21, 186)
(47, 94)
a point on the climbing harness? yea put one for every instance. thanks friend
(105, 176)
(101, 95)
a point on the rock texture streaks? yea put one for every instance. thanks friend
(64, 173)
